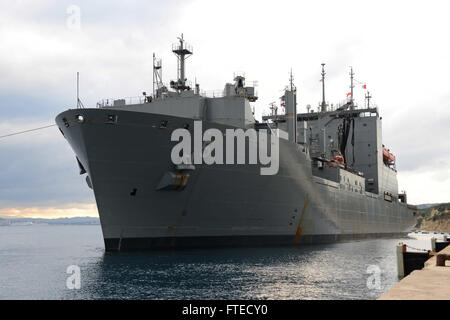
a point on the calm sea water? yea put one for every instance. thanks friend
(34, 261)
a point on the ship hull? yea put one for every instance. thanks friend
(189, 242)
(221, 205)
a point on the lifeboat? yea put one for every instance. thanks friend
(339, 159)
(388, 157)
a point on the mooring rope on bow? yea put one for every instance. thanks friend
(25, 131)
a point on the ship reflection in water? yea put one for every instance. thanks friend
(34, 261)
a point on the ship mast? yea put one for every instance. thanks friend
(183, 51)
(158, 86)
(290, 101)
(368, 97)
(291, 81)
(273, 108)
(351, 88)
(79, 103)
(324, 105)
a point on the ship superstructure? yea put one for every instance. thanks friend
(345, 137)
(335, 179)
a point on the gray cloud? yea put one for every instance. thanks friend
(400, 55)
(39, 168)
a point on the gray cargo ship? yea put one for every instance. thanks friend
(335, 179)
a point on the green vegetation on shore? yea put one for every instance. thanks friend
(435, 218)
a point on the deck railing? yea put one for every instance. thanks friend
(122, 101)
(212, 93)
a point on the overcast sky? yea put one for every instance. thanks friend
(400, 49)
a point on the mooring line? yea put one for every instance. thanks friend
(25, 131)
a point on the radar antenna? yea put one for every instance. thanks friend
(183, 51)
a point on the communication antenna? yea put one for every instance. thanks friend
(291, 81)
(79, 103)
(324, 104)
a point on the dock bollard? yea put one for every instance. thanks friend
(401, 248)
(433, 244)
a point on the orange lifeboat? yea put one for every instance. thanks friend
(388, 157)
(339, 159)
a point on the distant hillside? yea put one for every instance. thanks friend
(435, 218)
(427, 205)
(72, 221)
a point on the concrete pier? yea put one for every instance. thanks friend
(430, 283)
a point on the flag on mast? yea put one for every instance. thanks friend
(364, 86)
